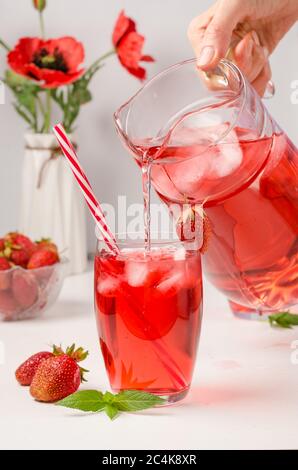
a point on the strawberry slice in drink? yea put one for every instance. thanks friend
(146, 315)
(193, 224)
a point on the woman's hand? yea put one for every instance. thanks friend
(245, 30)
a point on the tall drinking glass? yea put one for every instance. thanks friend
(149, 310)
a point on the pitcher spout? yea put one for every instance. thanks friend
(121, 123)
(180, 95)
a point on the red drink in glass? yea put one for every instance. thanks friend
(149, 309)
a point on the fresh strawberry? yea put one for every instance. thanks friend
(18, 248)
(47, 244)
(58, 376)
(8, 305)
(24, 288)
(4, 276)
(42, 257)
(2, 244)
(189, 225)
(194, 224)
(19, 257)
(26, 371)
(18, 240)
(4, 264)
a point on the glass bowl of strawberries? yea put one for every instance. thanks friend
(31, 276)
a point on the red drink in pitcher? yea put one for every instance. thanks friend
(252, 252)
(211, 144)
(148, 307)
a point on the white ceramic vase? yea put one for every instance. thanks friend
(51, 203)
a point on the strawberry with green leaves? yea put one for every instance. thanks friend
(18, 248)
(43, 257)
(48, 244)
(55, 377)
(193, 224)
(16, 239)
(59, 375)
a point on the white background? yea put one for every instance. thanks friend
(244, 393)
(164, 23)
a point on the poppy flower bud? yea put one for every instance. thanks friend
(39, 4)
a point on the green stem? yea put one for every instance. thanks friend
(3, 44)
(106, 55)
(41, 23)
(66, 109)
(101, 59)
(47, 120)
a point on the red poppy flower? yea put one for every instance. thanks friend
(129, 45)
(54, 62)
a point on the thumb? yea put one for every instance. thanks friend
(218, 34)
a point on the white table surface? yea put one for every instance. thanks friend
(244, 393)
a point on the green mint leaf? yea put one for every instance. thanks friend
(284, 319)
(134, 400)
(84, 400)
(111, 410)
(94, 400)
(109, 398)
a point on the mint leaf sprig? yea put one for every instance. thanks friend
(112, 404)
(283, 319)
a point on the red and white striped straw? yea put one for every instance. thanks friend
(93, 204)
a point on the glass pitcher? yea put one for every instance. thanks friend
(211, 143)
